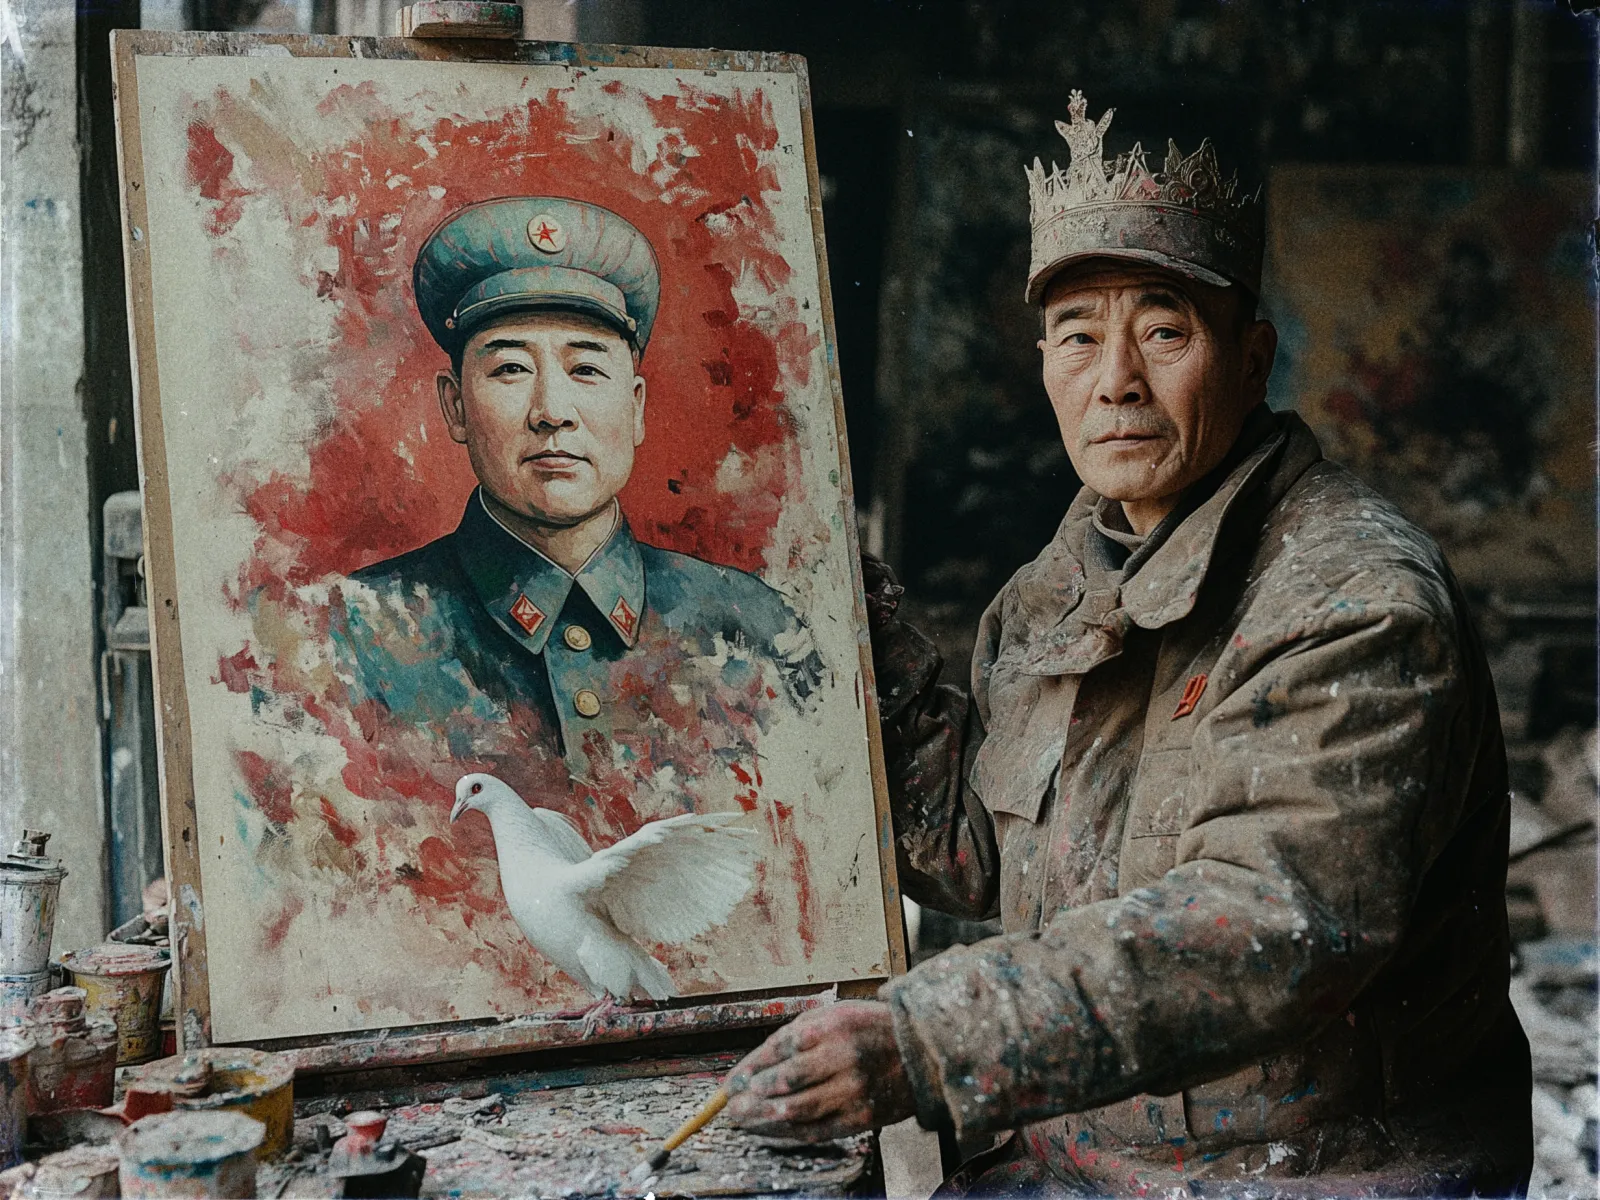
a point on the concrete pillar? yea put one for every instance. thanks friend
(1530, 21)
(50, 774)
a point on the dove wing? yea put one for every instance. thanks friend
(559, 836)
(674, 879)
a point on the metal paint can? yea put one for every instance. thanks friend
(124, 983)
(74, 1061)
(15, 1048)
(16, 991)
(81, 1173)
(27, 913)
(184, 1154)
(230, 1079)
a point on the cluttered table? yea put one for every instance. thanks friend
(585, 1140)
(89, 1106)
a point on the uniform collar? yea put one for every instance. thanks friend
(1160, 583)
(524, 591)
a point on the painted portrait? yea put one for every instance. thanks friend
(511, 542)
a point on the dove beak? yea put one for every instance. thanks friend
(462, 804)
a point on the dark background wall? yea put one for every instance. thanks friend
(925, 114)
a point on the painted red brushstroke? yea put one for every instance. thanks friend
(801, 861)
(278, 928)
(270, 785)
(209, 166)
(234, 671)
(343, 832)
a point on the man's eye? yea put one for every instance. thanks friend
(1078, 339)
(508, 368)
(589, 371)
(1166, 333)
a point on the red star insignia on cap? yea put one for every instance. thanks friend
(545, 233)
(527, 614)
(624, 618)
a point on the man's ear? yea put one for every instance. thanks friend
(638, 410)
(451, 405)
(1260, 351)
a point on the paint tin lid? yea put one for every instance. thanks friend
(15, 1043)
(30, 870)
(178, 1140)
(79, 1173)
(116, 958)
(28, 855)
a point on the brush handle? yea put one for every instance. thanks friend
(699, 1121)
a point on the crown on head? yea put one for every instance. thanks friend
(1184, 216)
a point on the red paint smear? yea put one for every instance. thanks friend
(271, 786)
(443, 876)
(278, 928)
(361, 500)
(802, 875)
(343, 832)
(234, 672)
(210, 171)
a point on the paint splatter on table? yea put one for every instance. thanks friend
(580, 1142)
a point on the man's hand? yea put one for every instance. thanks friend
(829, 1073)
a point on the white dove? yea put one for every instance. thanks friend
(588, 912)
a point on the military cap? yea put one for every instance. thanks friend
(535, 254)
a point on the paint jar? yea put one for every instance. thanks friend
(18, 991)
(228, 1079)
(29, 886)
(74, 1061)
(15, 1048)
(184, 1154)
(124, 983)
(81, 1173)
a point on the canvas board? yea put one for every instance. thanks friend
(344, 627)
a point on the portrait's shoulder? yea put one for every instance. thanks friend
(684, 588)
(432, 565)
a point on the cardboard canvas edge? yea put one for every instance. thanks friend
(443, 1041)
(174, 757)
(867, 685)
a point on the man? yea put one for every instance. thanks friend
(1230, 772)
(541, 614)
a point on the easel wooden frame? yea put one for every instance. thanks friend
(455, 1040)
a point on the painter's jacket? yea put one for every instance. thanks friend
(1244, 817)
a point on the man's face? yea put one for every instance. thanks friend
(1151, 377)
(550, 410)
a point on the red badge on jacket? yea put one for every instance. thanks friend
(1192, 691)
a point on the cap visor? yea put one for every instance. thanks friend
(487, 312)
(1152, 258)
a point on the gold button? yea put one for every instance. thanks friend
(587, 703)
(578, 638)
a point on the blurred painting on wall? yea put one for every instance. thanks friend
(1438, 334)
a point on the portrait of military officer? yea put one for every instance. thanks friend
(541, 607)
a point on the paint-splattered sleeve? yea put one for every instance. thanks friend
(945, 848)
(1307, 832)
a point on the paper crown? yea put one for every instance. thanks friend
(1184, 217)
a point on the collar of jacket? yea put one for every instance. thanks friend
(524, 591)
(1165, 585)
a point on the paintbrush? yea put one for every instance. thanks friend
(684, 1132)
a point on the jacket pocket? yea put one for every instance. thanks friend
(1013, 777)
